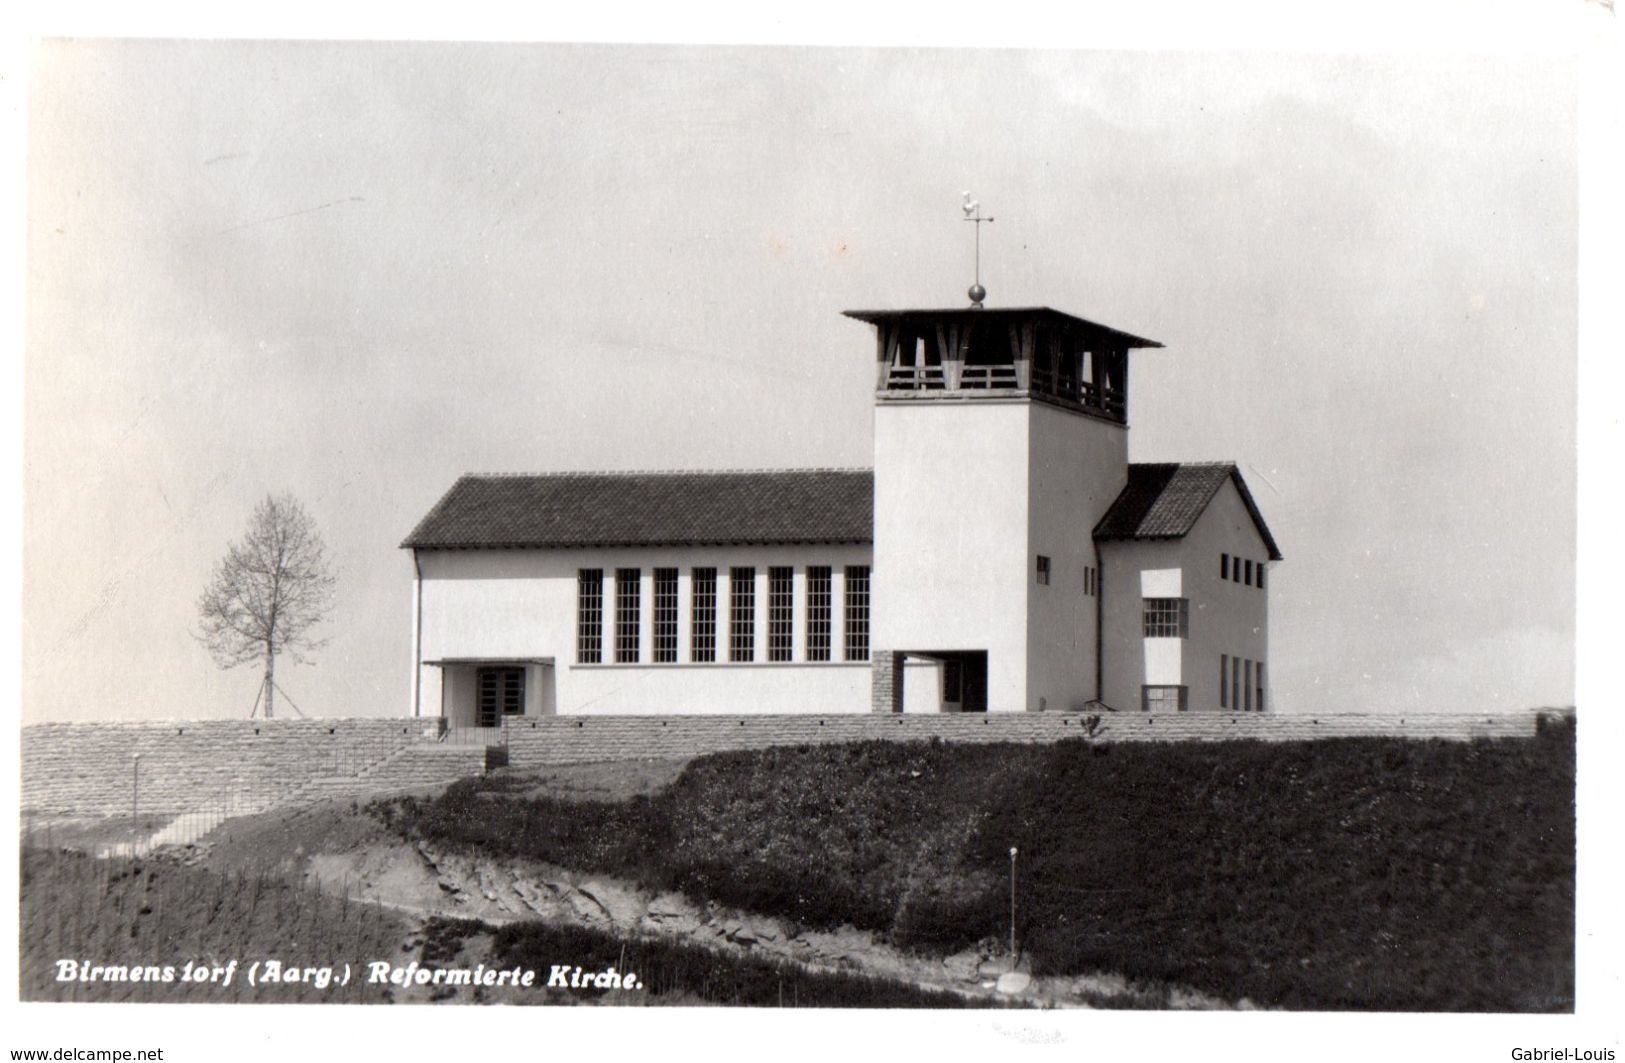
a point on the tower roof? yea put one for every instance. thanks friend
(1164, 500)
(651, 509)
(1055, 319)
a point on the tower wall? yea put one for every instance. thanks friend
(967, 496)
(1077, 466)
(951, 532)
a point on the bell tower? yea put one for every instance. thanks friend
(1001, 437)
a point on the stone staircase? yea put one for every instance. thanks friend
(423, 763)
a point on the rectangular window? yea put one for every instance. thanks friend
(1043, 570)
(1261, 575)
(1247, 578)
(1235, 684)
(703, 628)
(741, 614)
(818, 612)
(781, 613)
(857, 612)
(1258, 675)
(1166, 618)
(1224, 680)
(501, 693)
(1224, 566)
(590, 616)
(628, 588)
(1162, 699)
(665, 615)
(1247, 687)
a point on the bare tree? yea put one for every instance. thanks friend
(268, 592)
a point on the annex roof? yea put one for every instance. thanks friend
(1007, 315)
(1164, 500)
(651, 509)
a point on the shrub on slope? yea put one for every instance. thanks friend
(1356, 873)
(1353, 873)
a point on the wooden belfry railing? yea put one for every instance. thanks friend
(919, 361)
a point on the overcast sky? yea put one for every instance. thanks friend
(355, 271)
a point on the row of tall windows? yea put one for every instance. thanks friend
(818, 621)
(1241, 684)
(1241, 570)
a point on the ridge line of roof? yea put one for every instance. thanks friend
(661, 472)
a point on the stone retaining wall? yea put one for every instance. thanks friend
(91, 768)
(574, 739)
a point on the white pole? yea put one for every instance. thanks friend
(1012, 905)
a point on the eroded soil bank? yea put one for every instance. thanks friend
(340, 849)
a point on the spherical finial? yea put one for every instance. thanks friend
(977, 293)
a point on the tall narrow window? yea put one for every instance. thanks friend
(818, 612)
(1224, 566)
(1261, 575)
(703, 629)
(665, 615)
(741, 614)
(781, 613)
(1166, 618)
(1043, 570)
(1235, 683)
(1258, 677)
(1247, 688)
(1224, 680)
(590, 616)
(628, 588)
(857, 612)
(1247, 576)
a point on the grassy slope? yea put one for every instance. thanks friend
(132, 912)
(153, 912)
(1352, 873)
(676, 972)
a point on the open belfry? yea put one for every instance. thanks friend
(1001, 555)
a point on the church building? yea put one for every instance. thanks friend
(1001, 555)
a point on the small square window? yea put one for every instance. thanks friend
(1043, 569)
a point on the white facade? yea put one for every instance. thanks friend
(1227, 619)
(519, 608)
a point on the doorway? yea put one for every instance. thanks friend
(499, 692)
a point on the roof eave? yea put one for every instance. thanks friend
(675, 544)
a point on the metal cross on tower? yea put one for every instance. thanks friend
(973, 213)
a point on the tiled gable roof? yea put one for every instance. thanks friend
(1164, 500)
(651, 509)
